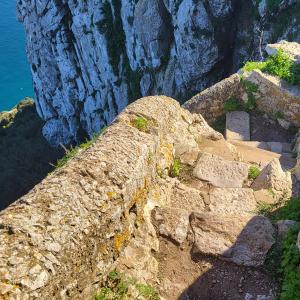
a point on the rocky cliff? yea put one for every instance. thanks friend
(89, 59)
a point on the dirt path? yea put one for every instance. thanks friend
(207, 278)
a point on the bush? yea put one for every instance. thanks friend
(253, 65)
(286, 253)
(279, 64)
(290, 266)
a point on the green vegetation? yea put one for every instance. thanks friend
(290, 262)
(232, 104)
(141, 124)
(253, 172)
(280, 65)
(279, 115)
(69, 153)
(220, 124)
(272, 4)
(284, 258)
(118, 287)
(176, 168)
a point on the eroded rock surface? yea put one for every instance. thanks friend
(220, 172)
(274, 179)
(242, 238)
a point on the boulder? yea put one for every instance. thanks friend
(225, 200)
(172, 223)
(187, 198)
(244, 239)
(265, 196)
(274, 179)
(220, 172)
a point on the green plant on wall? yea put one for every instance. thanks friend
(279, 64)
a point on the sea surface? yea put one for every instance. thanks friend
(15, 77)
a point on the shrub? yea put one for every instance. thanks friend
(285, 252)
(290, 262)
(279, 64)
(253, 172)
(279, 115)
(253, 65)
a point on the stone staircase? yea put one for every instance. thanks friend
(238, 133)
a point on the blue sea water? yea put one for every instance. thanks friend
(15, 77)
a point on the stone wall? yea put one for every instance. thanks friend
(272, 96)
(275, 96)
(58, 241)
(210, 102)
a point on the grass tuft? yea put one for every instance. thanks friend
(141, 124)
(176, 168)
(70, 153)
(253, 172)
(120, 287)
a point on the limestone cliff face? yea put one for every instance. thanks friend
(89, 59)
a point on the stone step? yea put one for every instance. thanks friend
(276, 147)
(237, 126)
(220, 172)
(244, 239)
(253, 155)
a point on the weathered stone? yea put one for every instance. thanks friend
(275, 95)
(237, 126)
(210, 102)
(273, 178)
(230, 200)
(291, 48)
(76, 223)
(241, 238)
(220, 172)
(172, 223)
(189, 157)
(186, 198)
(265, 196)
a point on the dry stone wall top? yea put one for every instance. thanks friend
(57, 241)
